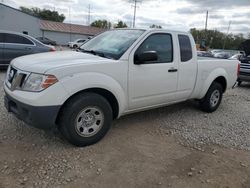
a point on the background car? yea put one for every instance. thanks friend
(213, 52)
(14, 44)
(204, 54)
(236, 56)
(47, 41)
(77, 43)
(244, 74)
(222, 55)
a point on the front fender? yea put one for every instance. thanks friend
(206, 82)
(82, 81)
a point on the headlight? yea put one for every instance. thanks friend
(38, 82)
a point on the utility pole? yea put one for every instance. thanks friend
(70, 24)
(89, 15)
(135, 7)
(206, 21)
(227, 34)
(203, 42)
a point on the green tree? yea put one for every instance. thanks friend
(121, 24)
(156, 26)
(44, 14)
(248, 35)
(101, 24)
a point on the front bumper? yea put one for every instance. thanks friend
(43, 117)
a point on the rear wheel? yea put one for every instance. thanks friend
(75, 46)
(212, 99)
(239, 82)
(85, 119)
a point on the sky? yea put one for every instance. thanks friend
(170, 14)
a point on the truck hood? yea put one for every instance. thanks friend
(40, 63)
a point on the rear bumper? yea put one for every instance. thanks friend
(43, 117)
(244, 78)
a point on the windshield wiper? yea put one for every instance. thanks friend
(101, 54)
(89, 51)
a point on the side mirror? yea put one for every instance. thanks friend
(145, 57)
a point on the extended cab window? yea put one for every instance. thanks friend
(1, 37)
(185, 48)
(162, 44)
(12, 38)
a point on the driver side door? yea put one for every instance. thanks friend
(153, 83)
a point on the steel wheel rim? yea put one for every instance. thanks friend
(215, 98)
(89, 121)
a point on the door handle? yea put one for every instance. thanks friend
(28, 48)
(172, 70)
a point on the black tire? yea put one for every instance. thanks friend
(72, 109)
(75, 46)
(239, 83)
(205, 103)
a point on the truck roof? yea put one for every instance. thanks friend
(154, 29)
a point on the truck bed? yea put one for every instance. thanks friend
(208, 67)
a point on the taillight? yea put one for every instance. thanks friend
(238, 69)
(52, 49)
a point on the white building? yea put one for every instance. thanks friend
(15, 20)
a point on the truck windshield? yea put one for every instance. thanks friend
(112, 44)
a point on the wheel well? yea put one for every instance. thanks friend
(221, 80)
(103, 92)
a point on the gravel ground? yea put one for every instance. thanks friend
(176, 146)
(228, 126)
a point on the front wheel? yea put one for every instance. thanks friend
(85, 119)
(212, 99)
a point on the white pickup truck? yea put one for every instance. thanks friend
(116, 73)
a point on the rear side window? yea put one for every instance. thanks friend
(12, 38)
(1, 37)
(185, 48)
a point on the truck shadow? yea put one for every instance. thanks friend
(158, 113)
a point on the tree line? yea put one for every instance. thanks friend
(217, 40)
(108, 25)
(44, 14)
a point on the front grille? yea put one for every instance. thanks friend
(15, 78)
(11, 74)
(245, 66)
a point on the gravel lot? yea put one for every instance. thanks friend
(176, 146)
